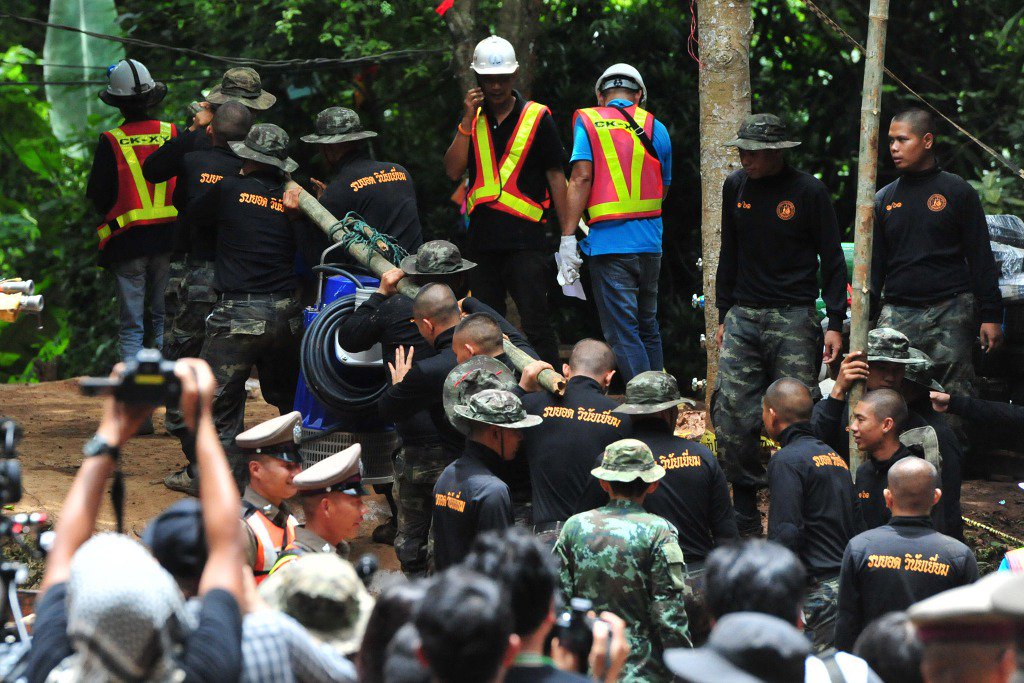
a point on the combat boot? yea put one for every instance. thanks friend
(183, 481)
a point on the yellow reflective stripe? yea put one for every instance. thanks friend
(623, 206)
(160, 189)
(639, 154)
(535, 213)
(515, 153)
(485, 148)
(103, 231)
(134, 166)
(604, 138)
(146, 214)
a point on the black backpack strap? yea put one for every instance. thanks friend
(638, 131)
(835, 674)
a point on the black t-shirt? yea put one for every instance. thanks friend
(811, 509)
(773, 231)
(890, 568)
(382, 194)
(388, 321)
(200, 171)
(491, 230)
(256, 241)
(871, 480)
(212, 652)
(166, 163)
(693, 495)
(469, 498)
(563, 449)
(932, 243)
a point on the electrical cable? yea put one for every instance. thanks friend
(320, 365)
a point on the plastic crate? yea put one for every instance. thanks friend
(376, 453)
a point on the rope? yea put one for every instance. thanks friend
(358, 231)
(831, 23)
(1017, 543)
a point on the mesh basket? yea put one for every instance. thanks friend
(376, 452)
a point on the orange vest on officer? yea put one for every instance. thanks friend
(496, 182)
(272, 540)
(138, 202)
(627, 180)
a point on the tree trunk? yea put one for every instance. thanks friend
(462, 20)
(518, 22)
(724, 28)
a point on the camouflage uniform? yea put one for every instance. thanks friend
(760, 346)
(628, 561)
(172, 294)
(820, 612)
(196, 298)
(240, 334)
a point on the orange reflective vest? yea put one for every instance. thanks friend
(497, 184)
(271, 540)
(627, 179)
(138, 202)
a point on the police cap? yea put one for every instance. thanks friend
(340, 472)
(278, 438)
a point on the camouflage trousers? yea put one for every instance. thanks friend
(820, 612)
(172, 293)
(760, 346)
(240, 334)
(946, 331)
(416, 471)
(188, 330)
(697, 617)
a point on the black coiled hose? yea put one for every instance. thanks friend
(342, 394)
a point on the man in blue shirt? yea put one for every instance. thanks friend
(621, 170)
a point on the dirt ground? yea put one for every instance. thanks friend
(57, 420)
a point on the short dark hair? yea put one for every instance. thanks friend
(921, 120)
(630, 489)
(437, 302)
(464, 623)
(891, 648)
(790, 399)
(591, 357)
(524, 566)
(481, 330)
(888, 403)
(232, 121)
(394, 609)
(755, 576)
(400, 663)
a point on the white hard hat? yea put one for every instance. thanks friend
(129, 79)
(621, 76)
(494, 55)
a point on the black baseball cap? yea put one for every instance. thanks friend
(177, 539)
(744, 647)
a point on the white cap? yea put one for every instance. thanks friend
(621, 76)
(493, 56)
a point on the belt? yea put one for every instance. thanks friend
(921, 304)
(547, 527)
(272, 296)
(815, 581)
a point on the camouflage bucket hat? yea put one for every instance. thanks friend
(322, 592)
(241, 84)
(651, 392)
(436, 257)
(626, 460)
(924, 443)
(472, 377)
(337, 124)
(267, 144)
(762, 131)
(499, 408)
(887, 345)
(923, 373)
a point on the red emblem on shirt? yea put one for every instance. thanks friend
(785, 210)
(936, 202)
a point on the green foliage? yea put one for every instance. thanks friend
(75, 112)
(800, 70)
(999, 194)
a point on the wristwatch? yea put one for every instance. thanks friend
(97, 445)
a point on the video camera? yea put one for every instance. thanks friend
(147, 379)
(574, 629)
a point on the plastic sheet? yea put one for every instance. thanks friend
(1010, 262)
(1006, 229)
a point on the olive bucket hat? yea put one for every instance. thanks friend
(499, 408)
(337, 124)
(626, 460)
(651, 392)
(469, 378)
(267, 144)
(922, 373)
(762, 131)
(436, 257)
(886, 345)
(242, 84)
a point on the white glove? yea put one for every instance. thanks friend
(569, 269)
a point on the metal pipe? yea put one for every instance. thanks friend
(867, 172)
(378, 265)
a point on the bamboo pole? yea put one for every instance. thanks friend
(867, 172)
(378, 265)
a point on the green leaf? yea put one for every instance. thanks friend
(76, 111)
